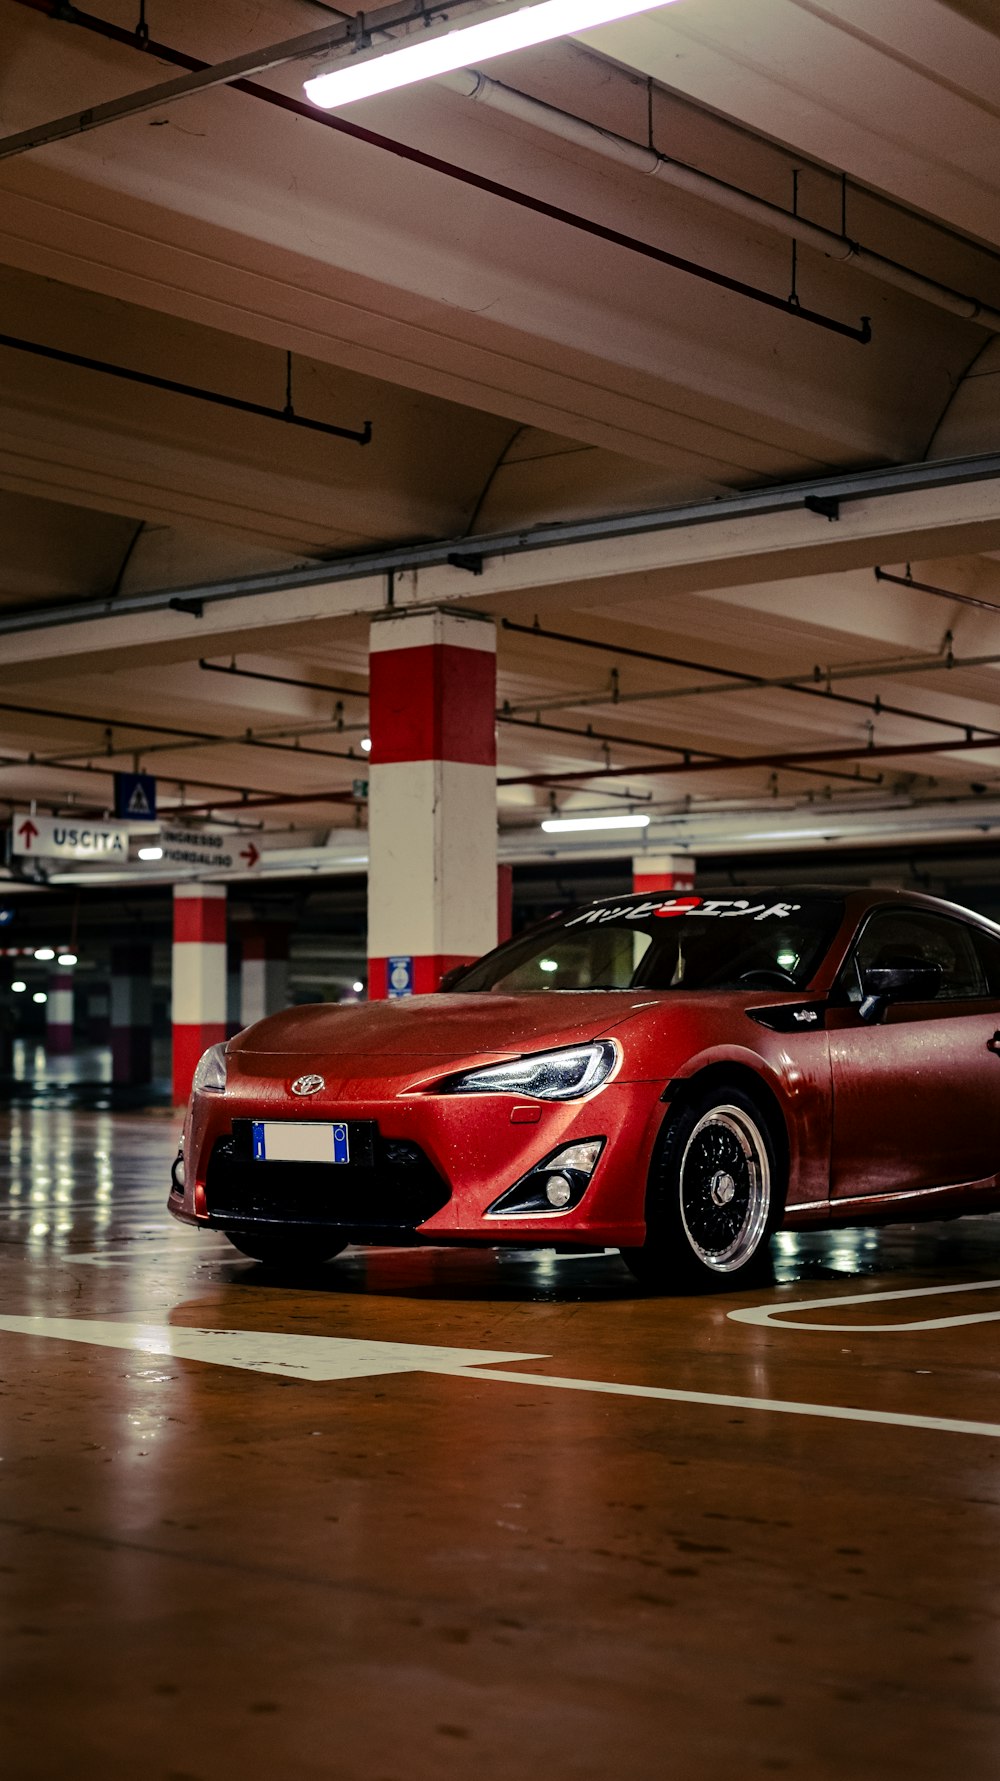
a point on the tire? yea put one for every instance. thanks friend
(287, 1248)
(716, 1191)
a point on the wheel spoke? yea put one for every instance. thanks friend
(725, 1188)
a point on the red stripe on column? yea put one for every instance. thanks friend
(269, 941)
(428, 971)
(189, 1043)
(662, 881)
(433, 703)
(200, 919)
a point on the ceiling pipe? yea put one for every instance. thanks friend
(201, 78)
(647, 160)
(786, 758)
(592, 735)
(312, 686)
(505, 716)
(942, 593)
(359, 436)
(51, 763)
(742, 505)
(225, 74)
(181, 738)
(739, 681)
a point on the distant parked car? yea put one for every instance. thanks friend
(675, 1076)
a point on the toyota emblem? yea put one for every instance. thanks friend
(308, 1085)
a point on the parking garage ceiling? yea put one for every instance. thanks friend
(492, 281)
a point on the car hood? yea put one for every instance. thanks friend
(441, 1026)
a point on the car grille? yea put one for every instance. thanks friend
(399, 1190)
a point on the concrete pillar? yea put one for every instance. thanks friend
(662, 872)
(264, 972)
(59, 1011)
(432, 875)
(198, 999)
(131, 1012)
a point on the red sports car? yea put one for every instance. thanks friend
(672, 1076)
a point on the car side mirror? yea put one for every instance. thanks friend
(904, 980)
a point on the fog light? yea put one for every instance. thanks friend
(556, 1184)
(559, 1190)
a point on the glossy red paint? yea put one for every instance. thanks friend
(876, 1119)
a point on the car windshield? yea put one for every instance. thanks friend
(745, 941)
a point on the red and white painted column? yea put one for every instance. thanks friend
(131, 1012)
(264, 971)
(432, 873)
(198, 978)
(59, 1011)
(662, 872)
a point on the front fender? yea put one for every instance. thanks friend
(800, 1087)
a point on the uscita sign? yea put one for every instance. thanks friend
(46, 837)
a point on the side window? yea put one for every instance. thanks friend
(988, 948)
(895, 935)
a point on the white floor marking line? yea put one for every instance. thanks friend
(305, 1357)
(947, 1425)
(343, 1357)
(778, 1316)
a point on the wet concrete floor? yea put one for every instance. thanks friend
(225, 1550)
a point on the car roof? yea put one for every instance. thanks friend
(856, 898)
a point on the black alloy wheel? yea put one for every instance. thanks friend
(716, 1192)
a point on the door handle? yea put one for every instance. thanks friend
(994, 1044)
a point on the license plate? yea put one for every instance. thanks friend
(300, 1141)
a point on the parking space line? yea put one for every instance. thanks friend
(947, 1425)
(329, 1358)
(778, 1316)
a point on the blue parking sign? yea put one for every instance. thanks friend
(399, 974)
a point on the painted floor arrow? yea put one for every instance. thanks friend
(260, 1351)
(347, 1357)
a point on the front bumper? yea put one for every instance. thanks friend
(439, 1163)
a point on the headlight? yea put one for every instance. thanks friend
(211, 1071)
(546, 1076)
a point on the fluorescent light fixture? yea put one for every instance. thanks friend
(39, 996)
(66, 958)
(570, 825)
(19, 987)
(357, 988)
(44, 953)
(548, 964)
(151, 853)
(442, 48)
(366, 745)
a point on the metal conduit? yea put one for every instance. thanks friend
(181, 738)
(737, 681)
(174, 387)
(226, 74)
(542, 116)
(786, 758)
(675, 748)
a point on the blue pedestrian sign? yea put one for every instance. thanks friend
(399, 972)
(135, 797)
